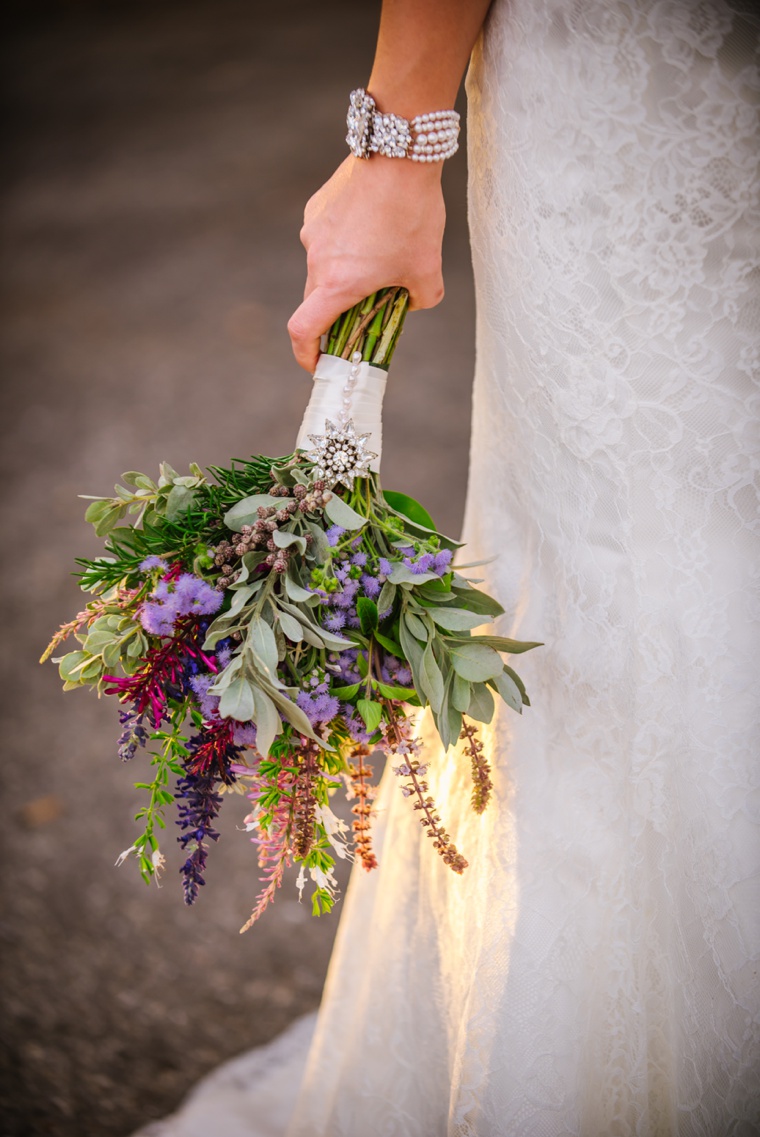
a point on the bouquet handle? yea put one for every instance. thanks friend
(349, 381)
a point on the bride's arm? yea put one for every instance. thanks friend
(380, 221)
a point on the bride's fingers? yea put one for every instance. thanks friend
(321, 307)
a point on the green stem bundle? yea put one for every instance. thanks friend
(372, 327)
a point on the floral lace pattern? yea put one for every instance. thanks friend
(594, 973)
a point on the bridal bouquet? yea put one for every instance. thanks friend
(271, 628)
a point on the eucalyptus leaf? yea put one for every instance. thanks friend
(412, 652)
(291, 627)
(473, 661)
(402, 574)
(481, 706)
(431, 679)
(245, 512)
(261, 639)
(340, 513)
(70, 665)
(267, 719)
(460, 693)
(501, 643)
(237, 700)
(387, 596)
(509, 691)
(476, 601)
(455, 619)
(415, 626)
(295, 716)
(518, 681)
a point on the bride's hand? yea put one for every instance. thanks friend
(375, 223)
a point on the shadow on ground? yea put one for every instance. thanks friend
(157, 164)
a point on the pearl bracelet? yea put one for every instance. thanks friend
(426, 138)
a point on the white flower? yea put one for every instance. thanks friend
(334, 828)
(301, 882)
(123, 856)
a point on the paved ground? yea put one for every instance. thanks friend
(158, 159)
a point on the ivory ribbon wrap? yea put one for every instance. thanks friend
(327, 397)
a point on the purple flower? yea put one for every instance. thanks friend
(359, 559)
(334, 621)
(153, 562)
(158, 619)
(385, 566)
(196, 596)
(441, 561)
(318, 705)
(197, 814)
(355, 725)
(133, 734)
(207, 704)
(371, 585)
(423, 563)
(334, 534)
(244, 734)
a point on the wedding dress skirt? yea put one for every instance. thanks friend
(594, 972)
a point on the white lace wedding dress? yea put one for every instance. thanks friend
(595, 970)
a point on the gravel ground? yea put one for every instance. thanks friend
(158, 158)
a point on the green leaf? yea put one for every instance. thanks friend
(455, 619)
(410, 508)
(476, 601)
(460, 693)
(346, 693)
(415, 626)
(268, 722)
(342, 514)
(239, 600)
(245, 512)
(520, 685)
(473, 661)
(509, 691)
(431, 679)
(390, 691)
(97, 510)
(371, 712)
(402, 574)
(412, 652)
(320, 547)
(295, 716)
(295, 591)
(366, 610)
(500, 643)
(389, 645)
(179, 501)
(387, 596)
(481, 706)
(291, 627)
(284, 538)
(112, 655)
(71, 664)
(264, 646)
(237, 701)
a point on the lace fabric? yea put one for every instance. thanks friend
(594, 973)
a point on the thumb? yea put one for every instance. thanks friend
(312, 319)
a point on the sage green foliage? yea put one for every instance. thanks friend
(113, 640)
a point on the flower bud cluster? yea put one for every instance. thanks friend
(481, 771)
(363, 808)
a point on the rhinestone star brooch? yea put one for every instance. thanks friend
(341, 454)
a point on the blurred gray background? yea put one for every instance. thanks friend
(157, 160)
